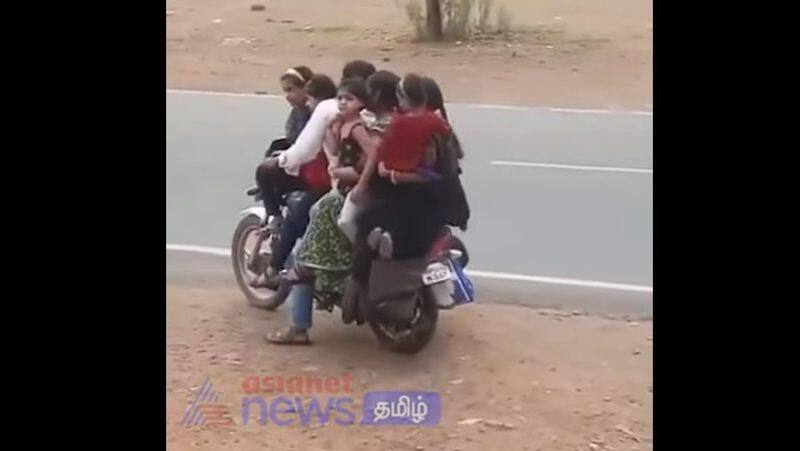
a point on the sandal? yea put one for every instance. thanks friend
(290, 336)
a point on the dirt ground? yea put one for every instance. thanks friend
(557, 381)
(565, 53)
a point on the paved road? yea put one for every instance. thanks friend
(589, 219)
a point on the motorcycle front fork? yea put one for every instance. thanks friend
(263, 234)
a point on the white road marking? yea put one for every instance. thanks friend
(474, 105)
(594, 111)
(199, 249)
(571, 167)
(482, 274)
(561, 281)
(224, 94)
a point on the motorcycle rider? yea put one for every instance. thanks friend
(303, 167)
(293, 83)
(301, 173)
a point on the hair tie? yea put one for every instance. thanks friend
(293, 72)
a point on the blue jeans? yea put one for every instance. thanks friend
(302, 299)
(292, 228)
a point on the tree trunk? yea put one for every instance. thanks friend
(434, 15)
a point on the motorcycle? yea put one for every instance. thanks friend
(401, 300)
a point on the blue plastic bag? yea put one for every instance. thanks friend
(463, 290)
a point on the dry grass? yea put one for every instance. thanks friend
(462, 19)
(503, 20)
(416, 15)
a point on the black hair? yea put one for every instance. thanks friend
(434, 95)
(357, 68)
(302, 70)
(321, 87)
(357, 87)
(382, 86)
(414, 90)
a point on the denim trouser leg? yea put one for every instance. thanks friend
(292, 229)
(302, 299)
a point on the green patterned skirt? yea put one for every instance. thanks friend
(325, 248)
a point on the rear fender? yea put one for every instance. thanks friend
(390, 278)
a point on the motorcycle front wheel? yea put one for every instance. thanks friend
(242, 247)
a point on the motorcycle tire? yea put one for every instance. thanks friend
(261, 298)
(418, 335)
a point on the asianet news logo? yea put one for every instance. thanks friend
(303, 400)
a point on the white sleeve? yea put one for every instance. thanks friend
(310, 141)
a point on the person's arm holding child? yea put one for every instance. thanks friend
(423, 174)
(367, 163)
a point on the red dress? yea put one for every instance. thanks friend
(407, 138)
(412, 213)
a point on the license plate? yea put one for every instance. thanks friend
(436, 273)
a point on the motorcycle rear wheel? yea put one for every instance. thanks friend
(413, 339)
